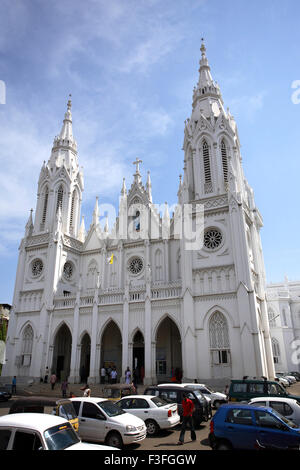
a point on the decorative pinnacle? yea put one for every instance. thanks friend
(137, 163)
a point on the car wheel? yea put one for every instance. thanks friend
(223, 446)
(114, 440)
(152, 427)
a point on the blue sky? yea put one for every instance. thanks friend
(130, 66)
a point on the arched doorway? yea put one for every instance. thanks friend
(168, 351)
(85, 358)
(111, 348)
(62, 353)
(138, 356)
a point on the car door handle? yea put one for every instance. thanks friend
(145, 411)
(230, 427)
(82, 420)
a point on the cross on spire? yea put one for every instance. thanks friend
(137, 163)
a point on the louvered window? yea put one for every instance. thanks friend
(44, 214)
(72, 210)
(206, 165)
(224, 161)
(60, 195)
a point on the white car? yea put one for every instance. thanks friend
(155, 411)
(287, 407)
(283, 381)
(38, 431)
(217, 398)
(102, 421)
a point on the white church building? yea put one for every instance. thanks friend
(87, 298)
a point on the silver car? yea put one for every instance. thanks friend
(287, 407)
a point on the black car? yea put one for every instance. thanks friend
(174, 394)
(4, 395)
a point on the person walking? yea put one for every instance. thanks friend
(188, 409)
(64, 387)
(53, 380)
(113, 375)
(127, 376)
(86, 391)
(103, 374)
(14, 385)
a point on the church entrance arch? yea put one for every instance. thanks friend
(111, 348)
(85, 358)
(62, 353)
(168, 351)
(138, 356)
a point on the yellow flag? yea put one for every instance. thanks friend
(110, 260)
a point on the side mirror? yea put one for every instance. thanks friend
(100, 416)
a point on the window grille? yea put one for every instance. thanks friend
(72, 209)
(218, 332)
(45, 207)
(276, 350)
(60, 195)
(224, 161)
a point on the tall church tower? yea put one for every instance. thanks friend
(224, 282)
(47, 257)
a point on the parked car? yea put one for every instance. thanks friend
(285, 406)
(117, 391)
(291, 379)
(187, 385)
(102, 421)
(174, 394)
(217, 398)
(4, 394)
(36, 431)
(296, 375)
(57, 406)
(284, 382)
(155, 411)
(237, 426)
(244, 390)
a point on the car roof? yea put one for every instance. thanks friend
(252, 381)
(90, 399)
(245, 406)
(146, 397)
(42, 401)
(36, 421)
(283, 399)
(173, 386)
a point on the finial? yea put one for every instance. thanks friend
(137, 163)
(69, 102)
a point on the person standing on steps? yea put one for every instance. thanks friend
(188, 410)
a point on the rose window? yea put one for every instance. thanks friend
(212, 239)
(37, 267)
(135, 265)
(68, 270)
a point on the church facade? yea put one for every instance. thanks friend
(138, 296)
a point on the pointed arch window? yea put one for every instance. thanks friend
(60, 196)
(27, 344)
(206, 166)
(219, 339)
(271, 318)
(224, 160)
(276, 351)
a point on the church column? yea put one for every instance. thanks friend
(125, 330)
(74, 370)
(148, 378)
(94, 373)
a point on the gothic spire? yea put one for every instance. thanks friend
(66, 138)
(149, 187)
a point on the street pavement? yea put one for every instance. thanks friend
(167, 440)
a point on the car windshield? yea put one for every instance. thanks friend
(67, 411)
(111, 409)
(285, 420)
(199, 395)
(60, 437)
(159, 401)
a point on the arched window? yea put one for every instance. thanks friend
(284, 317)
(44, 214)
(206, 166)
(113, 273)
(276, 351)
(60, 195)
(219, 339)
(224, 160)
(27, 344)
(158, 266)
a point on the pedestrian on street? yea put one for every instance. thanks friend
(46, 375)
(86, 391)
(188, 409)
(113, 376)
(14, 385)
(103, 374)
(64, 387)
(127, 376)
(53, 380)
